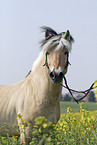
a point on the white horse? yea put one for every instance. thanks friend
(39, 93)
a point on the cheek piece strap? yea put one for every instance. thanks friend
(46, 63)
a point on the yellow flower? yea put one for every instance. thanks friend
(89, 119)
(28, 123)
(44, 125)
(96, 95)
(65, 132)
(5, 124)
(40, 120)
(95, 84)
(61, 124)
(23, 120)
(40, 130)
(81, 107)
(22, 126)
(95, 91)
(65, 124)
(69, 109)
(19, 116)
(93, 118)
(2, 138)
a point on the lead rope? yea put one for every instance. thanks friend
(86, 92)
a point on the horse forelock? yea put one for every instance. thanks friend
(55, 42)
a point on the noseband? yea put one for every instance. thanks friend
(86, 92)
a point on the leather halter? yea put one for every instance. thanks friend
(46, 63)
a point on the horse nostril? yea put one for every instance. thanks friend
(61, 75)
(56, 77)
(52, 75)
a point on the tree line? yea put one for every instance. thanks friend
(90, 98)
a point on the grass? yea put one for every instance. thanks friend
(90, 106)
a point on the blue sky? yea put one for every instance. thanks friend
(20, 34)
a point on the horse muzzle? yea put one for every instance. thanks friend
(56, 77)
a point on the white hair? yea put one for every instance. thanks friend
(56, 42)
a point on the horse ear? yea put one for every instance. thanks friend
(49, 33)
(67, 35)
(71, 39)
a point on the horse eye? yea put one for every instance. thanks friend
(66, 53)
(47, 53)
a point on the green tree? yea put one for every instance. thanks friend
(67, 97)
(92, 97)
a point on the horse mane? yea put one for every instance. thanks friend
(55, 41)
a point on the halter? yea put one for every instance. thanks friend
(46, 63)
(86, 92)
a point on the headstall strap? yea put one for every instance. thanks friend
(46, 63)
(68, 63)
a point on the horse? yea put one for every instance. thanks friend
(38, 94)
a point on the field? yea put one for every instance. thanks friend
(77, 126)
(90, 106)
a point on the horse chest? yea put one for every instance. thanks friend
(49, 110)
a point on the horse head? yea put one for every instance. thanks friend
(57, 48)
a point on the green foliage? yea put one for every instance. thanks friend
(66, 97)
(92, 97)
(42, 131)
(9, 140)
(78, 128)
(72, 128)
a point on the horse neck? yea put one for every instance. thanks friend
(42, 80)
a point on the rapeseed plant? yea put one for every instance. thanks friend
(72, 128)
